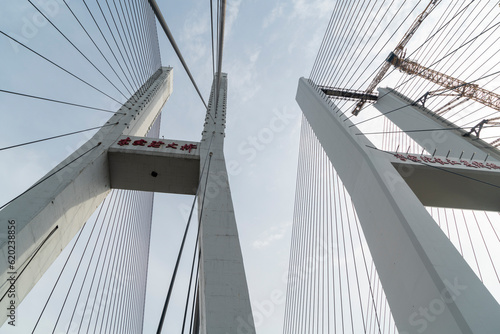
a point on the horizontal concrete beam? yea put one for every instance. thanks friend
(451, 183)
(159, 165)
(439, 136)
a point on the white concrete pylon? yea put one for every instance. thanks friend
(429, 286)
(224, 299)
(48, 216)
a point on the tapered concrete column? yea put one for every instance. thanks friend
(48, 216)
(429, 286)
(224, 299)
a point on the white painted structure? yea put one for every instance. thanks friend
(449, 177)
(56, 207)
(429, 286)
(450, 182)
(224, 299)
(118, 156)
(158, 169)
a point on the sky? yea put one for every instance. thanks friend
(268, 46)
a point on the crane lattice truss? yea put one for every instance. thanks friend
(454, 85)
(397, 51)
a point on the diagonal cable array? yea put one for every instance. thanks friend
(112, 48)
(107, 289)
(458, 39)
(126, 29)
(81, 62)
(332, 284)
(70, 27)
(101, 287)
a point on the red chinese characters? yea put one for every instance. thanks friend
(413, 158)
(188, 147)
(478, 164)
(435, 160)
(466, 163)
(492, 165)
(439, 161)
(156, 144)
(172, 145)
(426, 159)
(140, 142)
(452, 162)
(400, 157)
(123, 142)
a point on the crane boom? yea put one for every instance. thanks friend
(458, 87)
(397, 51)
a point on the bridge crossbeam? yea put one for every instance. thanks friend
(158, 165)
(450, 183)
(440, 136)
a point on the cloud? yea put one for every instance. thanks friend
(195, 26)
(303, 9)
(195, 32)
(244, 83)
(254, 56)
(271, 234)
(232, 10)
(276, 13)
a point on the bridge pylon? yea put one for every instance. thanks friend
(119, 156)
(429, 286)
(224, 298)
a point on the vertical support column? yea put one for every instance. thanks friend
(224, 299)
(429, 286)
